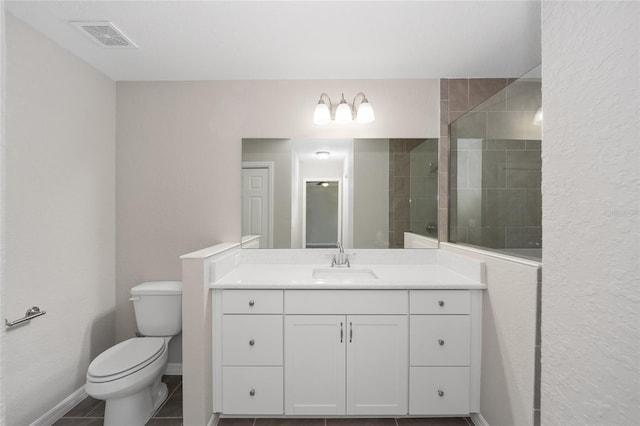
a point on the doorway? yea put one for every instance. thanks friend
(322, 203)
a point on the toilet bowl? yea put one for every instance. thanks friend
(128, 375)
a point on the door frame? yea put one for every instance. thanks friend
(270, 166)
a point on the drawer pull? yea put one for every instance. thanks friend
(252, 392)
(440, 392)
(441, 342)
(441, 303)
(252, 342)
(251, 302)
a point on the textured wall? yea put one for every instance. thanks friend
(591, 209)
(59, 212)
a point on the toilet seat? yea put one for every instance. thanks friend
(125, 358)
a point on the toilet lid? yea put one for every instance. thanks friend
(126, 357)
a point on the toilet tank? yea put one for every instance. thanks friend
(158, 307)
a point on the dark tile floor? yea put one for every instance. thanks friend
(90, 412)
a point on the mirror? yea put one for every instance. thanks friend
(365, 193)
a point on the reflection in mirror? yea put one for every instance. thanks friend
(322, 217)
(383, 193)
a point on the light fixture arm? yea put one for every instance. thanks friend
(353, 104)
(324, 96)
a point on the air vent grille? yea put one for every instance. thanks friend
(104, 33)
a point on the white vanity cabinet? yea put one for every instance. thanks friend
(352, 352)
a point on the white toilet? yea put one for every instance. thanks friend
(127, 375)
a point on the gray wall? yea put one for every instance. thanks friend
(371, 193)
(59, 216)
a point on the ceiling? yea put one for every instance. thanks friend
(299, 39)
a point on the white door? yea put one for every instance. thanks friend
(256, 204)
(377, 365)
(314, 353)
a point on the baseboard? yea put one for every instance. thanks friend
(173, 369)
(213, 420)
(478, 420)
(56, 413)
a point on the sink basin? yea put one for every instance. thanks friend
(350, 274)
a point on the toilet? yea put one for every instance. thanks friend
(128, 375)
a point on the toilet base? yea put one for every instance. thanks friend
(136, 409)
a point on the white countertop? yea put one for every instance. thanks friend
(300, 276)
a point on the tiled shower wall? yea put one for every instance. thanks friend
(457, 96)
(495, 171)
(399, 188)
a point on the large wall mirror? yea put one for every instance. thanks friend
(365, 193)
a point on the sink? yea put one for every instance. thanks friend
(350, 274)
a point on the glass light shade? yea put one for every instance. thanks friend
(365, 113)
(537, 118)
(321, 115)
(323, 155)
(343, 113)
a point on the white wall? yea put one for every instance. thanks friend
(59, 217)
(179, 154)
(508, 338)
(591, 213)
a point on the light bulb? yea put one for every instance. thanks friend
(343, 112)
(321, 115)
(365, 112)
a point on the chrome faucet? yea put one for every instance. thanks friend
(340, 260)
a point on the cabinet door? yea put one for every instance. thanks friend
(315, 364)
(377, 364)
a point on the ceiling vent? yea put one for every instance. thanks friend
(104, 33)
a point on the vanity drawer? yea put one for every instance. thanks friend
(442, 302)
(437, 340)
(338, 302)
(439, 391)
(252, 390)
(252, 302)
(252, 340)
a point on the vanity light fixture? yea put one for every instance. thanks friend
(343, 112)
(323, 155)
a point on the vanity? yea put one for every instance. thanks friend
(396, 334)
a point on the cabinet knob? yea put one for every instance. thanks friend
(441, 303)
(440, 392)
(441, 342)
(252, 392)
(251, 303)
(252, 342)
